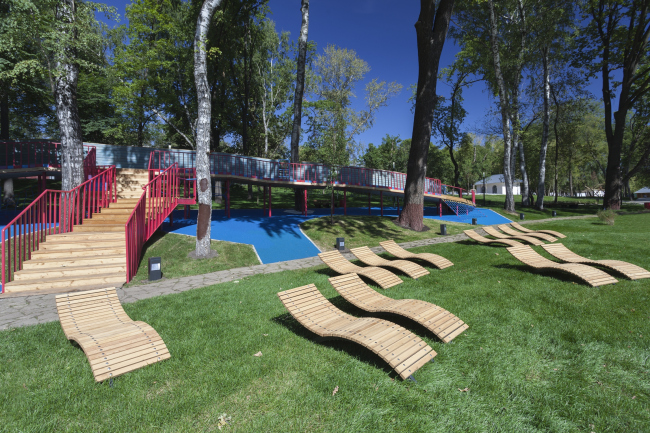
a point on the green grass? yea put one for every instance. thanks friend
(544, 352)
(173, 250)
(369, 231)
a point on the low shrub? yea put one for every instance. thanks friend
(607, 216)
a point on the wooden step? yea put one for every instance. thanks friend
(109, 219)
(40, 263)
(80, 252)
(27, 275)
(114, 211)
(100, 228)
(110, 279)
(76, 236)
(50, 245)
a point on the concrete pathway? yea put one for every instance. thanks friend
(34, 309)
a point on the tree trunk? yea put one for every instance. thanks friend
(65, 99)
(542, 151)
(431, 31)
(509, 204)
(204, 220)
(218, 193)
(516, 127)
(8, 198)
(299, 196)
(4, 112)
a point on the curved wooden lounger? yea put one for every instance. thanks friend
(497, 234)
(411, 269)
(441, 322)
(482, 239)
(113, 343)
(404, 351)
(436, 260)
(633, 272)
(525, 230)
(594, 277)
(340, 264)
(509, 231)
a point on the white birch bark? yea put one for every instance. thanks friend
(547, 113)
(300, 82)
(203, 185)
(505, 116)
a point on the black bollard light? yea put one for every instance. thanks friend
(443, 229)
(155, 272)
(474, 222)
(340, 244)
(554, 213)
(521, 216)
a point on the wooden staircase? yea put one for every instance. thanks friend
(93, 255)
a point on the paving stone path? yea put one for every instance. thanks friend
(34, 309)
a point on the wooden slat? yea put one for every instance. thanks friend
(393, 248)
(497, 234)
(482, 239)
(340, 264)
(526, 230)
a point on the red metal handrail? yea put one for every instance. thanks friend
(53, 212)
(158, 200)
(29, 154)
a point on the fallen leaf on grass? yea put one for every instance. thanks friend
(235, 281)
(258, 354)
(463, 390)
(496, 254)
(335, 390)
(599, 383)
(24, 386)
(633, 397)
(224, 420)
(266, 335)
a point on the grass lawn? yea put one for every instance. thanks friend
(173, 250)
(544, 352)
(369, 230)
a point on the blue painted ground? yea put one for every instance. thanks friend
(279, 238)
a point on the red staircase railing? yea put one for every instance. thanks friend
(53, 212)
(158, 200)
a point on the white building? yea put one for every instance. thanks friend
(496, 184)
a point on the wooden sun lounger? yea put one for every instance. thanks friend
(482, 239)
(404, 351)
(633, 272)
(441, 322)
(113, 343)
(340, 264)
(411, 269)
(497, 234)
(526, 230)
(436, 260)
(594, 277)
(509, 231)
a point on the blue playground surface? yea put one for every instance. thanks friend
(279, 238)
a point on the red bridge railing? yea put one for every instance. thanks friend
(53, 212)
(30, 154)
(158, 200)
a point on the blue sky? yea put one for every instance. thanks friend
(382, 33)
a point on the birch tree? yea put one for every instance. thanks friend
(204, 187)
(431, 31)
(300, 91)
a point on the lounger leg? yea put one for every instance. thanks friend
(110, 382)
(412, 379)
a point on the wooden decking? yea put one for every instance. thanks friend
(543, 236)
(592, 276)
(482, 239)
(633, 272)
(340, 264)
(113, 343)
(404, 351)
(526, 230)
(441, 322)
(411, 269)
(436, 260)
(497, 234)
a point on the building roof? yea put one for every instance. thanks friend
(645, 189)
(495, 178)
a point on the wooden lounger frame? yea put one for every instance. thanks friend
(441, 322)
(497, 234)
(113, 343)
(438, 261)
(340, 264)
(411, 269)
(527, 230)
(633, 272)
(404, 351)
(594, 277)
(509, 231)
(482, 239)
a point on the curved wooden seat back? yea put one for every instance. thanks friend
(509, 231)
(340, 264)
(113, 343)
(497, 234)
(527, 230)
(441, 322)
(436, 260)
(592, 276)
(411, 269)
(482, 239)
(633, 272)
(404, 351)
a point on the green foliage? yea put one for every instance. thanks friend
(392, 154)
(608, 216)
